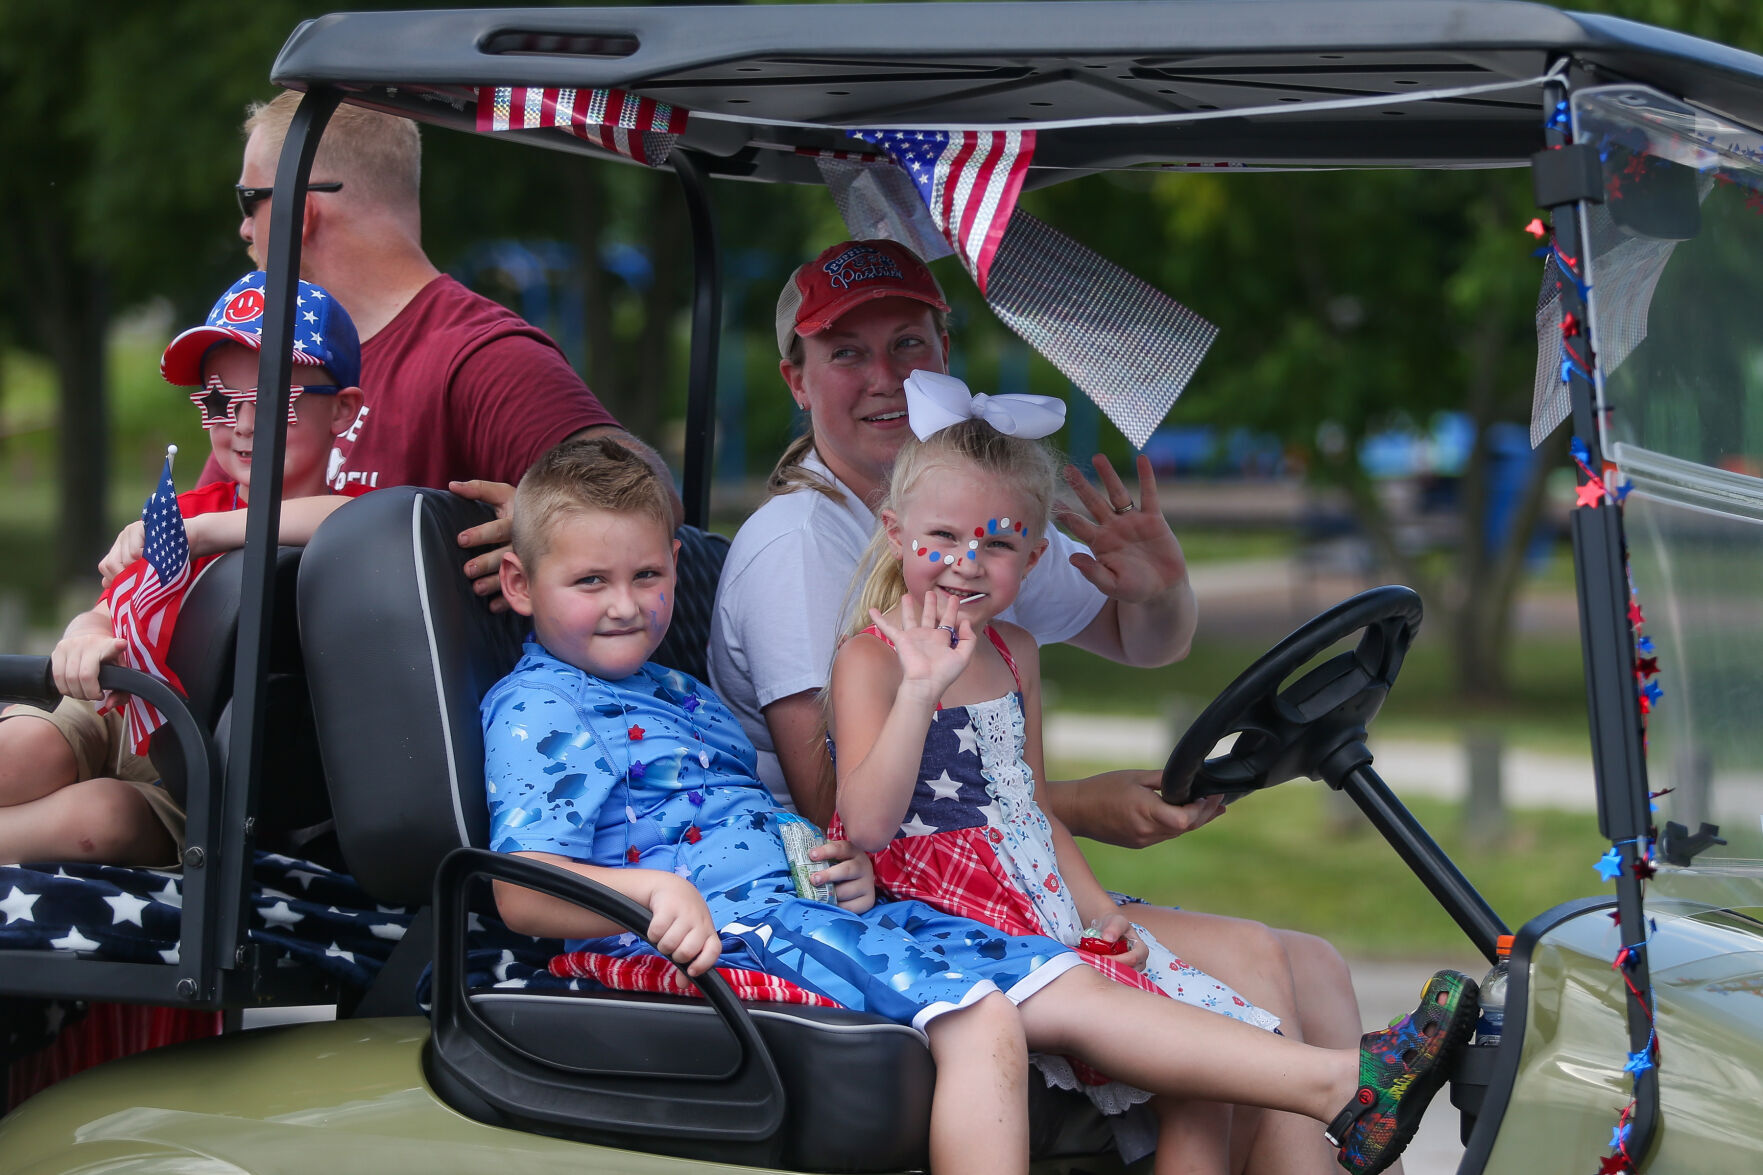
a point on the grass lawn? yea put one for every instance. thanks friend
(1280, 857)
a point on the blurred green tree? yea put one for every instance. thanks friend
(1348, 303)
(120, 140)
(1353, 302)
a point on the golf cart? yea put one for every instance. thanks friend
(1627, 1040)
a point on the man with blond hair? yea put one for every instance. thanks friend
(456, 385)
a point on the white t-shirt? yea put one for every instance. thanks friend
(786, 592)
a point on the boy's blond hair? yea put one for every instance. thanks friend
(593, 473)
(377, 156)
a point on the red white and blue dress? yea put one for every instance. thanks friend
(976, 844)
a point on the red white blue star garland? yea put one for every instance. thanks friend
(1599, 488)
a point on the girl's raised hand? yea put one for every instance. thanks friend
(933, 649)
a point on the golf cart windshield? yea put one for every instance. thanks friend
(1676, 286)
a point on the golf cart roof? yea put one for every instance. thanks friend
(1261, 82)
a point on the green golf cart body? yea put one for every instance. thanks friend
(1643, 318)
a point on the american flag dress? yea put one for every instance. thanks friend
(976, 844)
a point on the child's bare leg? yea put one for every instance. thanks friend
(1172, 1048)
(105, 820)
(1264, 965)
(34, 757)
(1245, 954)
(1274, 1143)
(1193, 1137)
(1327, 1006)
(1328, 1017)
(979, 1109)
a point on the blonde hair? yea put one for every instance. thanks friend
(1028, 466)
(594, 473)
(375, 155)
(788, 475)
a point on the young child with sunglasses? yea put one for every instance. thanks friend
(73, 784)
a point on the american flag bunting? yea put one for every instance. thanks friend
(969, 180)
(144, 602)
(639, 129)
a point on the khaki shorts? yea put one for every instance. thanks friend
(100, 744)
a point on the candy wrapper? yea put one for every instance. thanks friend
(800, 837)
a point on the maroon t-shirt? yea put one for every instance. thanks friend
(455, 387)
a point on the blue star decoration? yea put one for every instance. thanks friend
(1653, 692)
(1609, 865)
(1638, 1063)
(1645, 644)
(1619, 1136)
(1581, 454)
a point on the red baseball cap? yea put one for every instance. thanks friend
(849, 274)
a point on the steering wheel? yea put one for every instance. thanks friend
(1282, 734)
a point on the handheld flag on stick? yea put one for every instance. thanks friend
(145, 598)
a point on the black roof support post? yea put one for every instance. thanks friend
(706, 335)
(234, 838)
(1600, 562)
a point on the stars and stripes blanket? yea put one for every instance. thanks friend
(300, 909)
(306, 913)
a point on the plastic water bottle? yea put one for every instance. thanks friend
(1491, 1021)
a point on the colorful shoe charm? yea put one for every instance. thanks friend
(1400, 1068)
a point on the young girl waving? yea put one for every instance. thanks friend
(936, 719)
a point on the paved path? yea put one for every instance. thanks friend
(1532, 779)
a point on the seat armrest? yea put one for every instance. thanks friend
(471, 1060)
(28, 680)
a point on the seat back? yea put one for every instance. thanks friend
(686, 646)
(291, 793)
(398, 653)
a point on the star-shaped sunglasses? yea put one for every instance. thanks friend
(219, 404)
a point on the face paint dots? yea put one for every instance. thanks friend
(973, 548)
(934, 556)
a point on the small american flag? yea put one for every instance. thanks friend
(969, 181)
(145, 598)
(640, 129)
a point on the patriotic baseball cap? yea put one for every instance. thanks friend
(850, 273)
(324, 334)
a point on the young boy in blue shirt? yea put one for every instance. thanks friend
(638, 778)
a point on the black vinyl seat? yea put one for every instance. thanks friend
(293, 807)
(398, 654)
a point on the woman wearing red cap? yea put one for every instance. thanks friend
(851, 325)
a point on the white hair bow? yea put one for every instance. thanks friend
(934, 401)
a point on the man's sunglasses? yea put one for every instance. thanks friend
(250, 198)
(219, 404)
